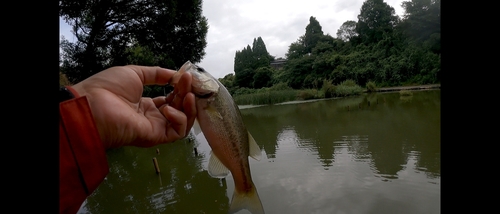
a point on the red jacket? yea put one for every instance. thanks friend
(82, 157)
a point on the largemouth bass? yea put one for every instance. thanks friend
(220, 121)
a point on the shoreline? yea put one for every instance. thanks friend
(378, 90)
(399, 88)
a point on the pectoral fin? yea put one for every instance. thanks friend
(213, 111)
(254, 152)
(215, 167)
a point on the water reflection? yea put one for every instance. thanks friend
(182, 186)
(381, 128)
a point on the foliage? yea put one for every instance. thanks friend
(347, 30)
(328, 89)
(228, 82)
(346, 88)
(265, 97)
(371, 86)
(375, 19)
(379, 47)
(112, 32)
(248, 61)
(262, 77)
(313, 34)
(297, 49)
(280, 86)
(297, 70)
(422, 22)
(243, 90)
(308, 94)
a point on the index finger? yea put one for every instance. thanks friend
(153, 75)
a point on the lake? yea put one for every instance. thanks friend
(373, 153)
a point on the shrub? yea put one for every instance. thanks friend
(347, 88)
(241, 91)
(371, 86)
(308, 94)
(280, 86)
(328, 89)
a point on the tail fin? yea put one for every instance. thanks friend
(249, 201)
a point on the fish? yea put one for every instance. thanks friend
(219, 118)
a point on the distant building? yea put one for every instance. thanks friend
(278, 64)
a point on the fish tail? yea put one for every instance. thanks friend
(249, 200)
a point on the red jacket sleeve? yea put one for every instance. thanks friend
(82, 157)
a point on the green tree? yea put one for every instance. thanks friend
(248, 60)
(106, 31)
(296, 49)
(313, 34)
(259, 51)
(243, 67)
(347, 31)
(229, 83)
(375, 19)
(262, 77)
(422, 22)
(296, 71)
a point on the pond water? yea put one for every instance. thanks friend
(374, 153)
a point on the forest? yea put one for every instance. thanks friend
(378, 49)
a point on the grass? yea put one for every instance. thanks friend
(266, 97)
(282, 93)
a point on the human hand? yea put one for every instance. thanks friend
(123, 117)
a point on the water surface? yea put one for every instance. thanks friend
(375, 153)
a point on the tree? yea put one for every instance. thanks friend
(376, 18)
(248, 60)
(243, 67)
(422, 22)
(347, 31)
(313, 34)
(262, 77)
(173, 31)
(297, 49)
(229, 83)
(259, 50)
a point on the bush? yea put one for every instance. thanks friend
(241, 91)
(280, 86)
(328, 89)
(371, 86)
(308, 94)
(347, 88)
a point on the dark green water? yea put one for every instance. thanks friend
(377, 153)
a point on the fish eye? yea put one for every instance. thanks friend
(200, 69)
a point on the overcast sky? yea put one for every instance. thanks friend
(233, 24)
